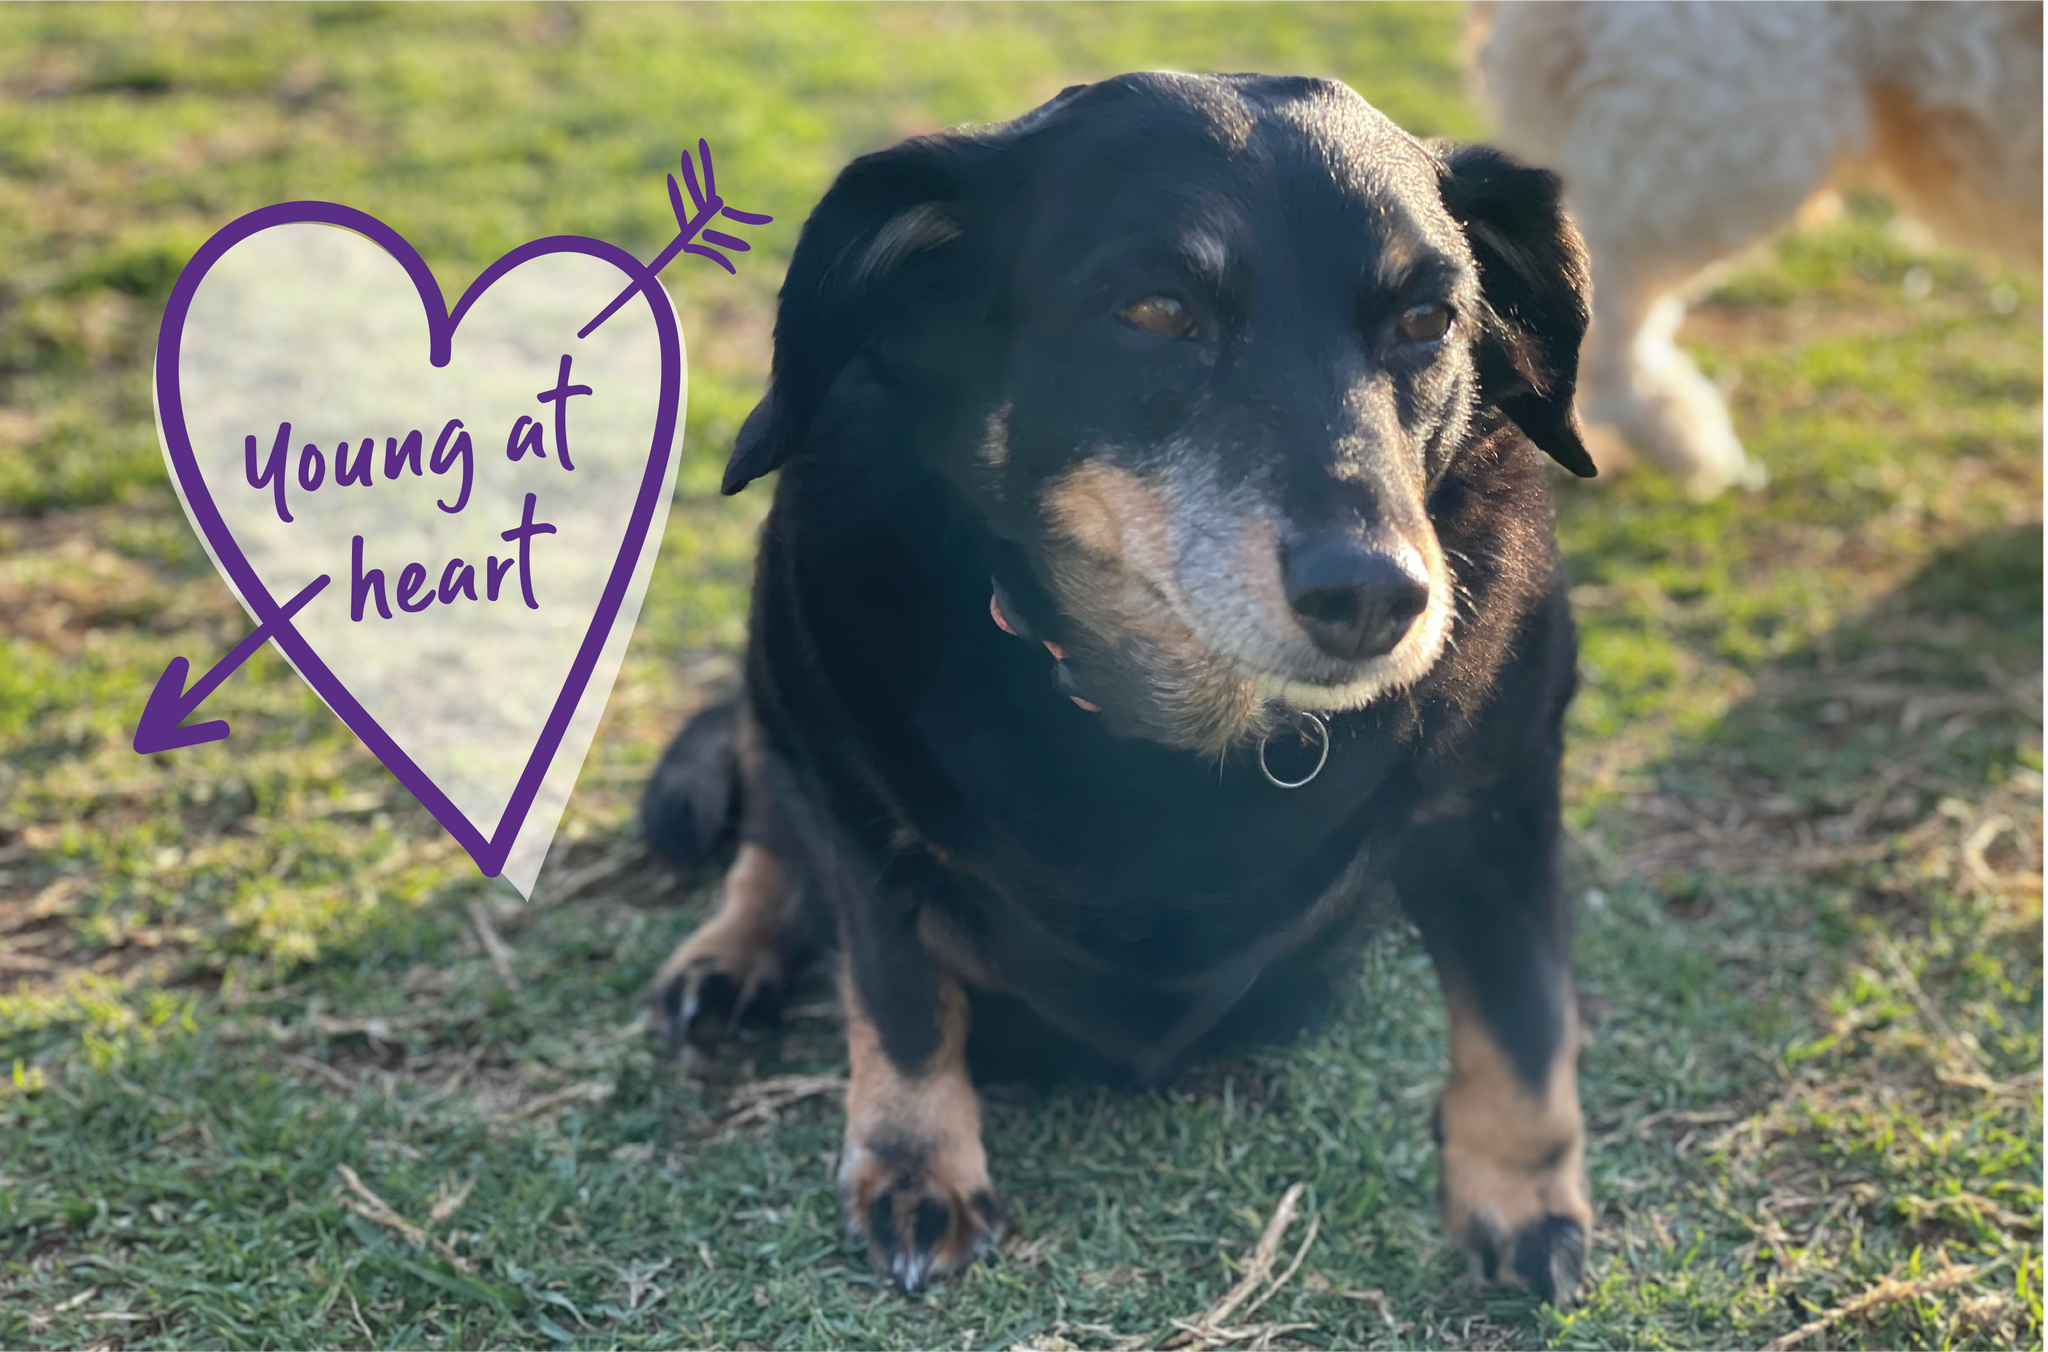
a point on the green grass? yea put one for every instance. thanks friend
(1805, 784)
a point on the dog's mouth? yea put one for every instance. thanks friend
(1182, 625)
(1063, 678)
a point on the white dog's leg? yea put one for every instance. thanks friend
(1684, 133)
(1634, 379)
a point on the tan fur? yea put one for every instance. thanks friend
(1924, 155)
(943, 939)
(914, 1136)
(1685, 132)
(744, 939)
(1115, 514)
(1114, 581)
(1511, 1155)
(1178, 583)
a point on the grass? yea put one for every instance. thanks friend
(1805, 785)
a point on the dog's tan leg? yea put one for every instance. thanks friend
(1513, 1157)
(1480, 879)
(913, 1176)
(732, 972)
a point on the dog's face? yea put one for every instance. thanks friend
(1196, 350)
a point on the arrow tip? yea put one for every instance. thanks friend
(158, 730)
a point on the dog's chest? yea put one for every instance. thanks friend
(1130, 858)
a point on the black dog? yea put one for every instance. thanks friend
(1160, 574)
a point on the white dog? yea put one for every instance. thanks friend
(1686, 131)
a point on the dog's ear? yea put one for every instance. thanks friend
(870, 257)
(1532, 272)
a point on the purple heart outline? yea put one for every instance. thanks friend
(489, 854)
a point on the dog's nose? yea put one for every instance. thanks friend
(1355, 601)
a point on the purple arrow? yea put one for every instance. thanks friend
(709, 206)
(170, 703)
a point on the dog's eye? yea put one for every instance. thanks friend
(1160, 316)
(1425, 323)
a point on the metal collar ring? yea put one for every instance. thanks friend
(1322, 738)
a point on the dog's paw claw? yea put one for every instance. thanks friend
(917, 1230)
(730, 974)
(1547, 1255)
(698, 1003)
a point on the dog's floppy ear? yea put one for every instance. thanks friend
(863, 266)
(1532, 271)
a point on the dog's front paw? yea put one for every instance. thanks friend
(924, 1209)
(703, 997)
(1514, 1161)
(1527, 1222)
(731, 973)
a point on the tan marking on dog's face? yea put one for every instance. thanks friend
(1513, 1157)
(1114, 513)
(1184, 625)
(1114, 575)
(913, 1175)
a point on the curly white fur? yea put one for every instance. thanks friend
(1687, 131)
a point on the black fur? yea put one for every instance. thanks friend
(1529, 359)
(1127, 903)
(691, 810)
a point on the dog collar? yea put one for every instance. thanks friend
(1315, 739)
